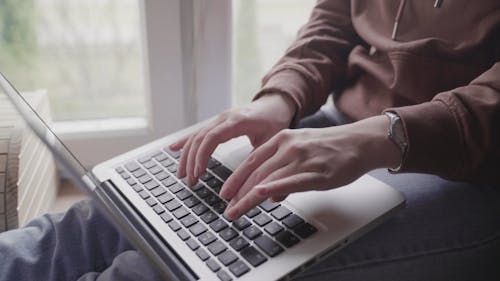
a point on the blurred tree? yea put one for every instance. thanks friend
(18, 49)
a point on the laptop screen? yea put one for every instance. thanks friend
(69, 163)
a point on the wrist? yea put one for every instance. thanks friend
(283, 104)
(379, 150)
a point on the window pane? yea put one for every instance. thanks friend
(86, 53)
(263, 29)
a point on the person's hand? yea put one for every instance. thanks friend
(309, 159)
(259, 120)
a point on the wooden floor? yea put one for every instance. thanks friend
(67, 195)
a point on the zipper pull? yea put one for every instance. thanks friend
(437, 3)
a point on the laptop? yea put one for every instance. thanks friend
(182, 231)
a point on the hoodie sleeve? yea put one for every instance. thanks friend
(315, 64)
(457, 134)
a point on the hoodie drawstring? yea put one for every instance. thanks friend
(399, 15)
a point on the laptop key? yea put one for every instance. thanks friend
(158, 209)
(228, 233)
(216, 248)
(144, 194)
(191, 201)
(149, 164)
(203, 192)
(131, 182)
(176, 188)
(119, 170)
(273, 228)
(202, 254)
(164, 198)
(197, 187)
(167, 163)
(212, 199)
(139, 173)
(125, 176)
(166, 217)
(180, 212)
(292, 221)
(253, 256)
(151, 201)
(155, 170)
(197, 229)
(172, 205)
(239, 268)
(207, 238)
(213, 183)
(208, 217)
(239, 243)
(305, 230)
(151, 184)
(200, 209)
(172, 168)
(267, 245)
(262, 219)
(220, 207)
(137, 188)
(184, 194)
(175, 226)
(174, 154)
(281, 212)
(144, 159)
(227, 257)
(222, 172)
(241, 223)
(183, 234)
(213, 265)
(168, 181)
(218, 225)
(252, 232)
(269, 205)
(161, 156)
(192, 244)
(132, 166)
(206, 176)
(224, 276)
(189, 220)
(287, 239)
(158, 191)
(161, 176)
(212, 163)
(253, 212)
(144, 179)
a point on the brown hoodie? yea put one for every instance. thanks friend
(441, 74)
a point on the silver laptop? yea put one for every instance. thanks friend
(182, 231)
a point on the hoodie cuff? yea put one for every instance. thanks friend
(290, 83)
(434, 141)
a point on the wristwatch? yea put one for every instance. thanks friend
(398, 136)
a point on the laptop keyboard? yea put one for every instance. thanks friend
(229, 248)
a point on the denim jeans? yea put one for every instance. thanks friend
(447, 231)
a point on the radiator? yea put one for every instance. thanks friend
(28, 175)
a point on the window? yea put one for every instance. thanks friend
(262, 31)
(86, 53)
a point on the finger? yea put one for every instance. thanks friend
(244, 205)
(195, 143)
(249, 191)
(181, 170)
(178, 144)
(294, 183)
(278, 166)
(254, 160)
(212, 139)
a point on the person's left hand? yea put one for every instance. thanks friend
(309, 159)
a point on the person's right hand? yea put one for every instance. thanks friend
(259, 120)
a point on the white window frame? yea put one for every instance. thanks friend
(187, 48)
